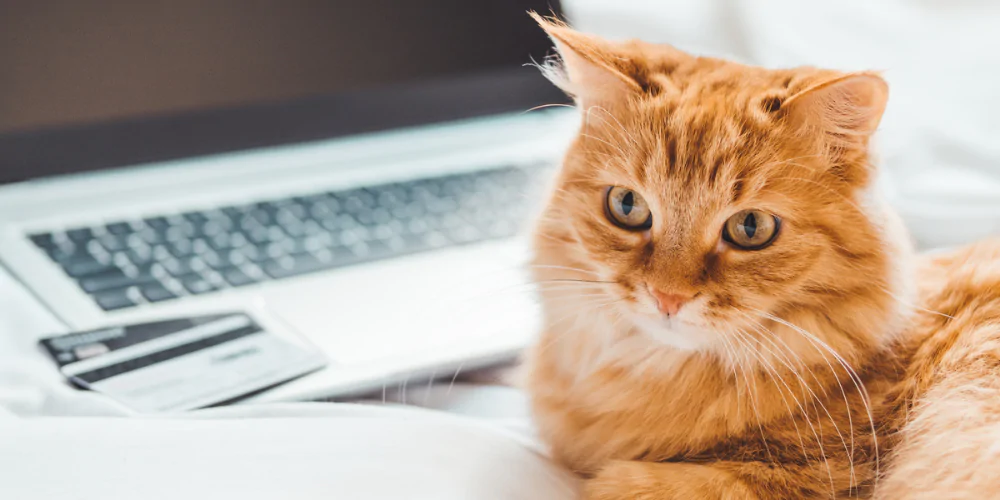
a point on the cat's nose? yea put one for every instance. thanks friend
(669, 303)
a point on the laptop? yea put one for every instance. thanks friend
(363, 171)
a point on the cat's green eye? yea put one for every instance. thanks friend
(751, 229)
(627, 210)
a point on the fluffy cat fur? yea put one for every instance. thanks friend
(830, 364)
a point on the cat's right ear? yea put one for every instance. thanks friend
(588, 69)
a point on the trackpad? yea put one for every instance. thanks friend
(412, 305)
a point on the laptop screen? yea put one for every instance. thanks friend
(100, 84)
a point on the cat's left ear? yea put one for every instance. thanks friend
(847, 107)
(589, 69)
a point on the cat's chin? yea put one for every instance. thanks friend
(674, 333)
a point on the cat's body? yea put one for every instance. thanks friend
(603, 416)
(681, 361)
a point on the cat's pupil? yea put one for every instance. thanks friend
(750, 225)
(628, 203)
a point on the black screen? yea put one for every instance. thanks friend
(102, 83)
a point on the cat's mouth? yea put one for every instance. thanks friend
(673, 331)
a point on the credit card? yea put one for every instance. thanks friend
(181, 364)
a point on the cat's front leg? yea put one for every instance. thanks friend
(620, 480)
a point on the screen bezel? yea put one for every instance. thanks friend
(113, 144)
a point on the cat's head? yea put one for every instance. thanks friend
(702, 196)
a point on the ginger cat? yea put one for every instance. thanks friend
(731, 312)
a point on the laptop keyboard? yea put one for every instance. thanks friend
(127, 263)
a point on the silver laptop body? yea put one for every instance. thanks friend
(398, 249)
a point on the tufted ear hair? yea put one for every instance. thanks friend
(840, 113)
(846, 106)
(592, 70)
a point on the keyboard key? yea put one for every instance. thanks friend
(341, 222)
(292, 266)
(357, 199)
(114, 242)
(219, 241)
(214, 260)
(140, 256)
(158, 224)
(110, 300)
(383, 232)
(236, 277)
(80, 235)
(196, 218)
(378, 249)
(177, 267)
(325, 208)
(43, 240)
(294, 229)
(408, 211)
(294, 210)
(391, 198)
(262, 216)
(83, 267)
(180, 248)
(233, 212)
(255, 253)
(66, 252)
(178, 232)
(257, 235)
(141, 274)
(196, 284)
(152, 236)
(156, 292)
(426, 189)
(119, 228)
(442, 206)
(108, 279)
(418, 226)
(216, 227)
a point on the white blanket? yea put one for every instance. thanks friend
(301, 451)
(58, 442)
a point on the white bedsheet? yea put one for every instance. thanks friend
(302, 451)
(58, 442)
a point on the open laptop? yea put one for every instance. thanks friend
(364, 171)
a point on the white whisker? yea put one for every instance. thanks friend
(753, 400)
(775, 376)
(815, 398)
(453, 378)
(852, 374)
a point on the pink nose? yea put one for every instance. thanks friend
(669, 303)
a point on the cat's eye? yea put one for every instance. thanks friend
(627, 210)
(751, 229)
